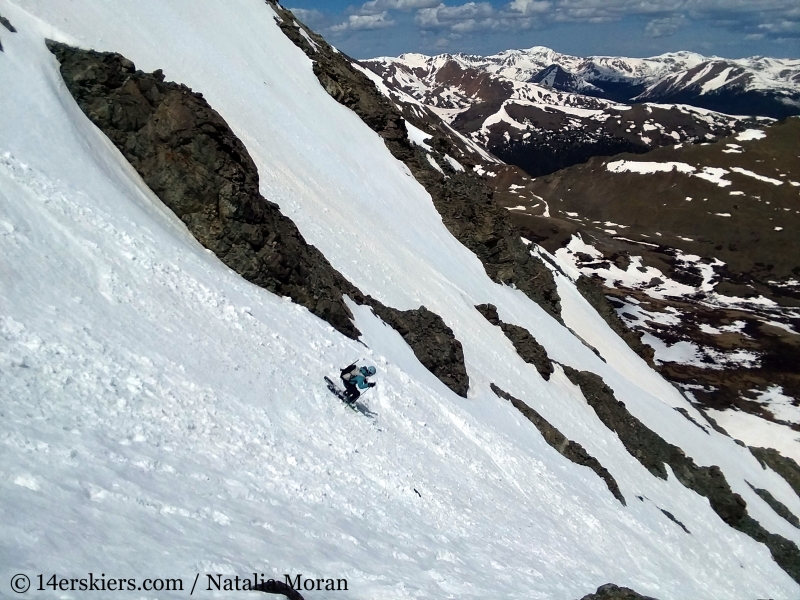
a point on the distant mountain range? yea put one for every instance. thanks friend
(752, 86)
(545, 111)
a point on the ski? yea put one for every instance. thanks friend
(339, 393)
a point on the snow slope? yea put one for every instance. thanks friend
(163, 417)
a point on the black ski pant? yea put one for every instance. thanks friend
(351, 391)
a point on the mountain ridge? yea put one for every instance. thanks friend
(656, 79)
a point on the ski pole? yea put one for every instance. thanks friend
(368, 388)
(356, 361)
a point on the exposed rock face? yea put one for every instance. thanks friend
(672, 518)
(566, 447)
(189, 157)
(782, 465)
(610, 591)
(653, 452)
(462, 199)
(525, 344)
(776, 505)
(7, 24)
(433, 343)
(559, 79)
(691, 419)
(593, 293)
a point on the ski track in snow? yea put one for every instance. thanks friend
(161, 416)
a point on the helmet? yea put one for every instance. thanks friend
(371, 370)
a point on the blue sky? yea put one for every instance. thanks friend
(728, 28)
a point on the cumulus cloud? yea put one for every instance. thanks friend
(529, 7)
(479, 16)
(443, 16)
(665, 26)
(364, 22)
(775, 17)
(309, 17)
(378, 6)
(771, 19)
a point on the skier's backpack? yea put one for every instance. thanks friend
(349, 372)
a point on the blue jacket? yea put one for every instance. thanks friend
(360, 379)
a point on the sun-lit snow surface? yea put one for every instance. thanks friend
(162, 417)
(753, 430)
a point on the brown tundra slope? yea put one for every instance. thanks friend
(697, 248)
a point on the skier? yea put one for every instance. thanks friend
(354, 378)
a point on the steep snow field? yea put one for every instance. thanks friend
(163, 417)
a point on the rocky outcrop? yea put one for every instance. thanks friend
(7, 24)
(779, 507)
(610, 591)
(672, 518)
(186, 153)
(527, 347)
(782, 465)
(566, 447)
(653, 452)
(594, 295)
(433, 343)
(691, 419)
(462, 199)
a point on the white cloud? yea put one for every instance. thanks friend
(309, 17)
(664, 27)
(377, 6)
(782, 26)
(529, 7)
(443, 16)
(768, 18)
(363, 22)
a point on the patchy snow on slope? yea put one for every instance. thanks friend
(432, 162)
(163, 417)
(781, 406)
(714, 175)
(749, 135)
(716, 82)
(632, 310)
(647, 167)
(689, 353)
(756, 176)
(735, 327)
(457, 166)
(307, 37)
(418, 137)
(650, 279)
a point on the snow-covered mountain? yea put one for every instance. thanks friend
(543, 120)
(771, 86)
(557, 78)
(542, 110)
(163, 347)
